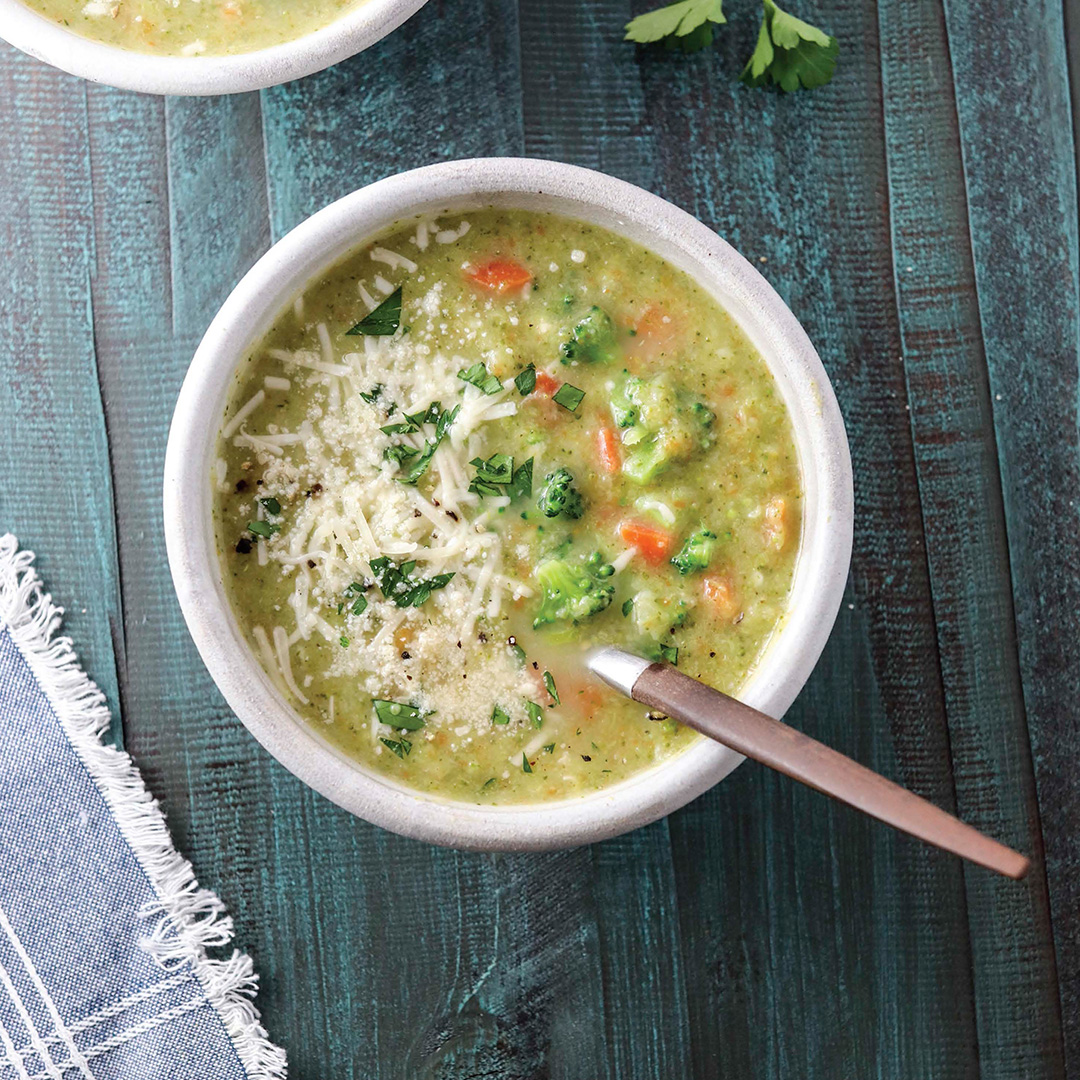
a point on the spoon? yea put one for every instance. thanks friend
(755, 735)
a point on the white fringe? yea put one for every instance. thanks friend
(191, 919)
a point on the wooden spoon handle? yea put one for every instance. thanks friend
(752, 733)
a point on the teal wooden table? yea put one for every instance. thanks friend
(919, 215)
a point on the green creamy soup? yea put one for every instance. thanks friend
(192, 27)
(473, 450)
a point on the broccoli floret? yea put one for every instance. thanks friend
(695, 552)
(668, 424)
(592, 340)
(571, 593)
(559, 496)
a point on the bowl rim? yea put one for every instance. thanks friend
(127, 69)
(345, 225)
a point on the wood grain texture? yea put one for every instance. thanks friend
(1024, 241)
(49, 394)
(952, 423)
(762, 931)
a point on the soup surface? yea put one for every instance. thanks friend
(476, 448)
(192, 27)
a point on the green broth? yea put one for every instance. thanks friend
(681, 429)
(192, 27)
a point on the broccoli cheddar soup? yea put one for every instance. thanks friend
(192, 27)
(471, 451)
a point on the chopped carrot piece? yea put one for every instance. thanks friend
(654, 544)
(609, 450)
(775, 527)
(501, 275)
(655, 331)
(545, 384)
(720, 593)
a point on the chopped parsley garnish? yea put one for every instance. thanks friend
(517, 650)
(359, 605)
(500, 716)
(687, 25)
(550, 748)
(522, 482)
(525, 766)
(397, 583)
(536, 714)
(670, 653)
(373, 394)
(497, 476)
(343, 641)
(569, 397)
(397, 714)
(420, 460)
(488, 783)
(271, 504)
(399, 452)
(549, 682)
(627, 606)
(263, 528)
(790, 53)
(384, 320)
(479, 377)
(525, 380)
(401, 747)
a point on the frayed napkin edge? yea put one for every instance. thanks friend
(191, 919)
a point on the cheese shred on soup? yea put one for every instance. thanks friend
(476, 448)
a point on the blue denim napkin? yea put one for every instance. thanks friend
(104, 973)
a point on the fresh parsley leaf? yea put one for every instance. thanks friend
(271, 504)
(522, 482)
(517, 650)
(500, 716)
(359, 605)
(384, 320)
(479, 377)
(525, 766)
(488, 783)
(397, 714)
(498, 469)
(343, 641)
(687, 25)
(373, 394)
(399, 452)
(790, 53)
(525, 380)
(536, 714)
(263, 528)
(549, 682)
(569, 397)
(550, 748)
(627, 607)
(401, 747)
(420, 460)
(670, 653)
(396, 582)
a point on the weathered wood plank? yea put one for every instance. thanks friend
(831, 947)
(55, 494)
(951, 415)
(1020, 168)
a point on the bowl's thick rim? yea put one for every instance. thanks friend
(324, 238)
(350, 33)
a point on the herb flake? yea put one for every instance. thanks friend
(383, 321)
(568, 396)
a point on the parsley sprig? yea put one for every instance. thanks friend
(497, 476)
(419, 460)
(687, 25)
(790, 53)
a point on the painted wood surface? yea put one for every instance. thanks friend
(919, 216)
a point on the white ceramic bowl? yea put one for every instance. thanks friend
(313, 246)
(130, 70)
